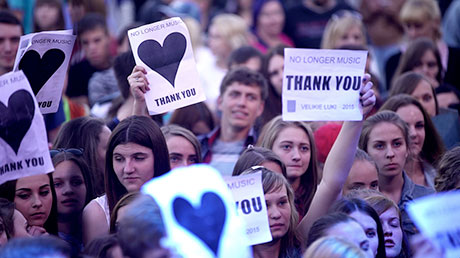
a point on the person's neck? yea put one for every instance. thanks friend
(320, 8)
(295, 183)
(70, 224)
(230, 134)
(103, 66)
(414, 170)
(126, 108)
(392, 186)
(270, 40)
(267, 250)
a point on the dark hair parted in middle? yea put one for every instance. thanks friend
(139, 130)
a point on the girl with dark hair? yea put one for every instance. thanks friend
(259, 156)
(426, 146)
(48, 15)
(273, 69)
(268, 22)
(368, 219)
(35, 197)
(196, 118)
(137, 152)
(91, 135)
(74, 189)
(385, 137)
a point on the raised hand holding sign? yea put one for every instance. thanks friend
(164, 49)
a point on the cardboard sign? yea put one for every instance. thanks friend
(249, 198)
(23, 141)
(322, 84)
(199, 213)
(44, 58)
(437, 217)
(164, 48)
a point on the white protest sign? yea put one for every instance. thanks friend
(437, 217)
(249, 197)
(322, 84)
(199, 213)
(164, 49)
(23, 140)
(44, 58)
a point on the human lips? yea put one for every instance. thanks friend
(277, 226)
(239, 113)
(69, 202)
(389, 243)
(38, 216)
(391, 166)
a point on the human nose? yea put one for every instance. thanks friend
(274, 213)
(7, 46)
(390, 153)
(295, 154)
(37, 203)
(129, 166)
(412, 132)
(67, 189)
(386, 230)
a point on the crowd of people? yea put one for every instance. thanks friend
(332, 189)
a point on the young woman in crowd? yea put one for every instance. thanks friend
(293, 142)
(258, 156)
(363, 174)
(48, 15)
(273, 69)
(35, 198)
(385, 137)
(13, 222)
(282, 216)
(396, 244)
(136, 153)
(74, 189)
(419, 86)
(91, 135)
(183, 146)
(366, 216)
(425, 146)
(344, 29)
(333, 247)
(339, 224)
(268, 22)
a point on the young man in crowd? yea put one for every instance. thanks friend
(94, 38)
(10, 33)
(241, 101)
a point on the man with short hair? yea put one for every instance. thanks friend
(241, 101)
(94, 38)
(10, 33)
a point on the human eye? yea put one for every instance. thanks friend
(44, 192)
(286, 147)
(397, 143)
(374, 185)
(432, 64)
(394, 223)
(174, 158)
(252, 97)
(370, 233)
(233, 94)
(118, 158)
(420, 125)
(23, 195)
(139, 157)
(304, 148)
(379, 146)
(76, 181)
(364, 246)
(192, 160)
(427, 98)
(57, 184)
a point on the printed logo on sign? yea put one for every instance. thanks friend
(291, 105)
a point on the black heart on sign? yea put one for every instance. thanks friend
(205, 222)
(39, 70)
(164, 60)
(15, 120)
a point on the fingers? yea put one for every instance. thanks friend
(37, 231)
(138, 81)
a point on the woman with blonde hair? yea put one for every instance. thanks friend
(344, 29)
(183, 146)
(227, 32)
